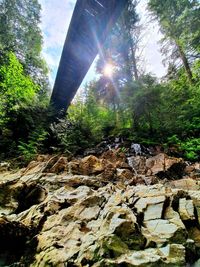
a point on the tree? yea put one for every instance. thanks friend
(16, 88)
(176, 20)
(119, 51)
(20, 33)
(120, 47)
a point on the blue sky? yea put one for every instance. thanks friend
(55, 19)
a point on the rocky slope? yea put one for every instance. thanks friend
(110, 210)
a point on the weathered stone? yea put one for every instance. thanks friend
(160, 231)
(114, 156)
(173, 217)
(151, 207)
(73, 167)
(173, 254)
(186, 209)
(60, 165)
(138, 164)
(155, 164)
(16, 197)
(90, 165)
(194, 234)
(185, 184)
(193, 170)
(163, 165)
(197, 263)
(195, 196)
(99, 219)
(124, 175)
(4, 166)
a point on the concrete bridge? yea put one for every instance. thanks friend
(91, 22)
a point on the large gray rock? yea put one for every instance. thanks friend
(68, 219)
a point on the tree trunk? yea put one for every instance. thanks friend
(185, 62)
(135, 70)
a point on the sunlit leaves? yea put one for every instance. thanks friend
(16, 88)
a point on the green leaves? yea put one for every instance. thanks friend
(16, 88)
(29, 150)
(20, 33)
(179, 23)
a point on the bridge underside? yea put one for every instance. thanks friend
(90, 24)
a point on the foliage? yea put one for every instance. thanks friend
(28, 150)
(69, 137)
(179, 22)
(25, 125)
(136, 106)
(191, 148)
(16, 88)
(20, 33)
(97, 118)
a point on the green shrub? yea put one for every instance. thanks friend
(31, 148)
(191, 148)
(70, 137)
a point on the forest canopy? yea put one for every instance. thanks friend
(123, 100)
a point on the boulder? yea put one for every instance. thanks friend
(186, 209)
(90, 165)
(114, 156)
(185, 184)
(60, 165)
(124, 175)
(165, 166)
(4, 166)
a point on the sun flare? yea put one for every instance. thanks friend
(108, 70)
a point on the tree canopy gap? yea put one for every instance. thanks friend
(90, 24)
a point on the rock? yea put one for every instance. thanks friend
(171, 255)
(4, 166)
(151, 206)
(60, 165)
(185, 184)
(186, 209)
(194, 234)
(17, 197)
(109, 171)
(60, 218)
(138, 164)
(195, 196)
(73, 167)
(114, 156)
(124, 175)
(161, 231)
(155, 164)
(136, 149)
(163, 165)
(173, 217)
(197, 264)
(193, 170)
(91, 165)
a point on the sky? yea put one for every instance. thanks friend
(55, 19)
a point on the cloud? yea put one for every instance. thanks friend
(55, 19)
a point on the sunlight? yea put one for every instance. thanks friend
(108, 70)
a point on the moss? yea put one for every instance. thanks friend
(113, 247)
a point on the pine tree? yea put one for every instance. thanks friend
(179, 22)
(20, 33)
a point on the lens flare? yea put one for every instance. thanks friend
(108, 70)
